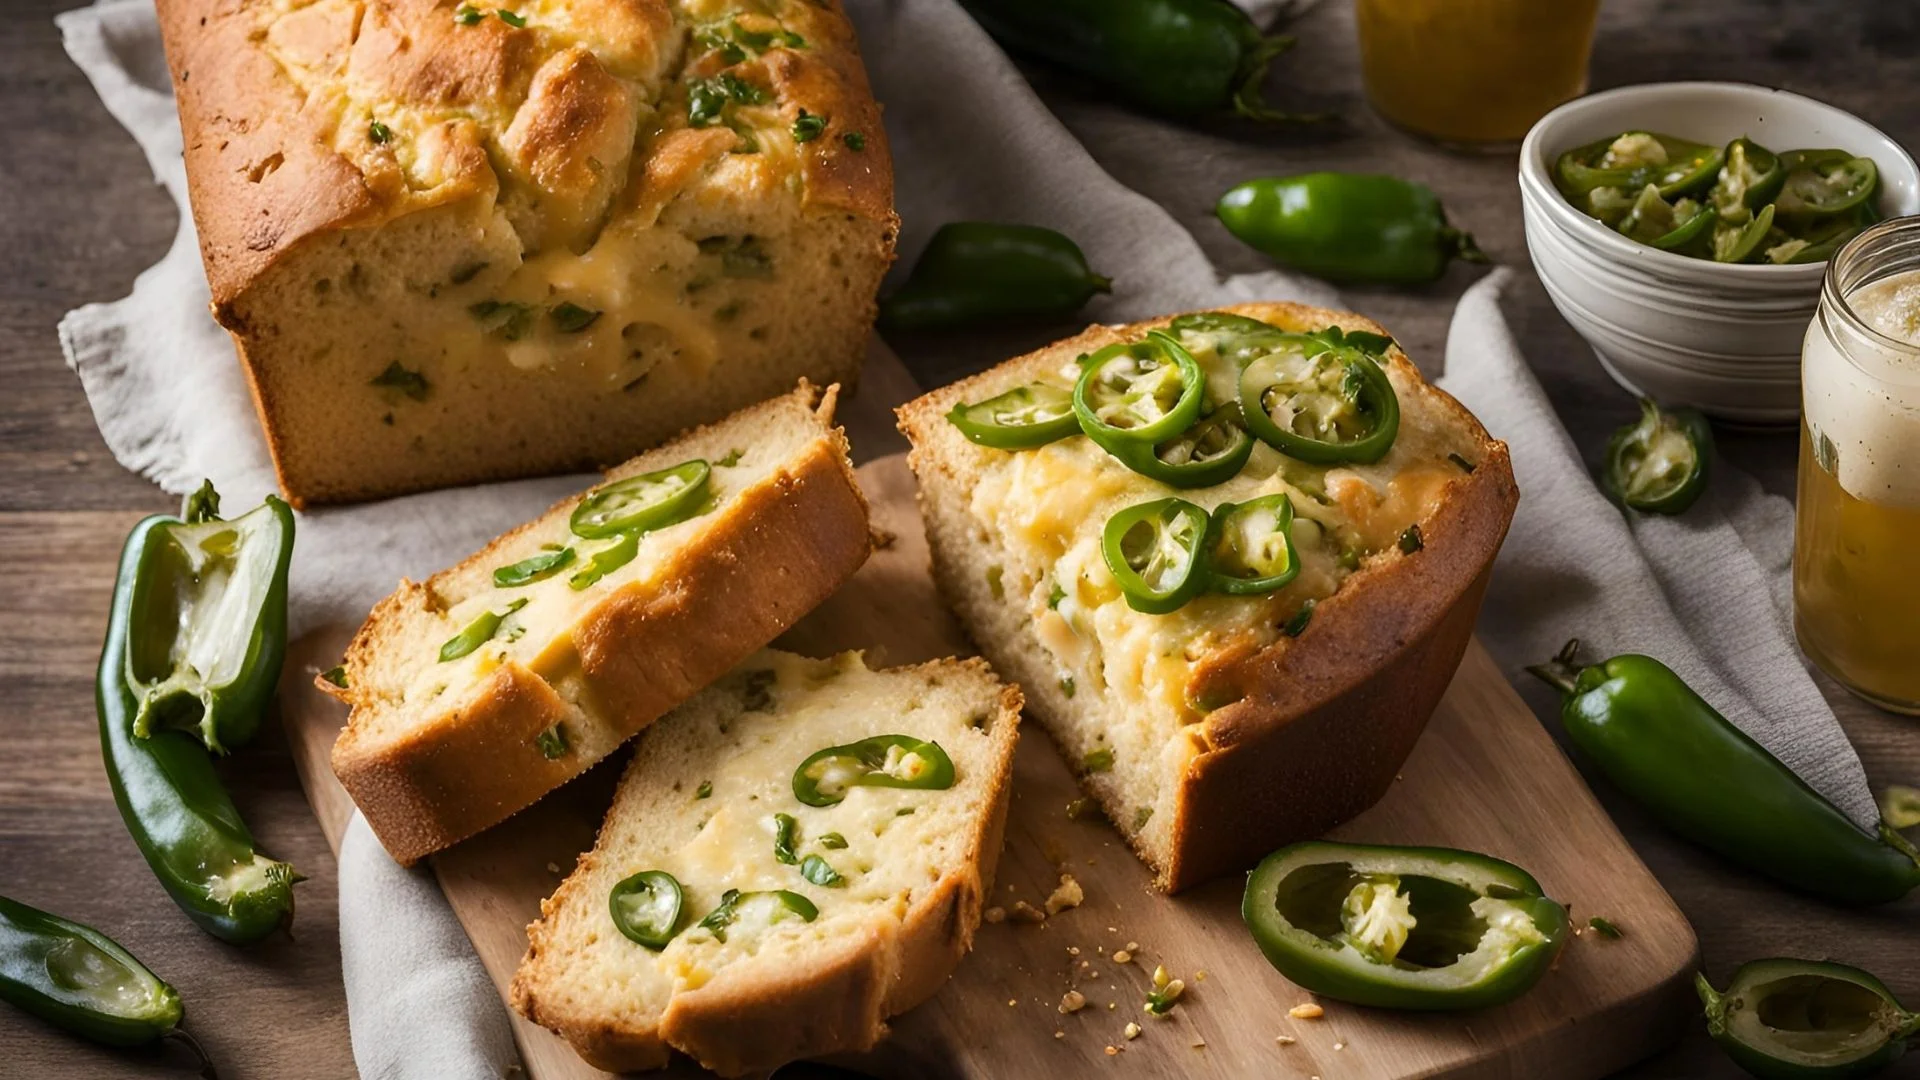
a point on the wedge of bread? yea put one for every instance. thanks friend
(1217, 731)
(493, 682)
(458, 242)
(889, 879)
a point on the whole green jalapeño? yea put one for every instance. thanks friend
(1807, 1020)
(1250, 546)
(894, 761)
(646, 907)
(1138, 393)
(1020, 419)
(1659, 464)
(1320, 404)
(1402, 927)
(1156, 551)
(207, 625)
(642, 503)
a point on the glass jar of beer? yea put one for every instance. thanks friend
(1856, 585)
(1473, 72)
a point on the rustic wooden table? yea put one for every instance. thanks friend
(82, 218)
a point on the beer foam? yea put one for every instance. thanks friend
(1862, 394)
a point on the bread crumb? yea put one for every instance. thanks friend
(1059, 1034)
(1133, 1030)
(1133, 946)
(1073, 1001)
(1122, 956)
(1073, 950)
(1339, 1046)
(1012, 1002)
(1200, 976)
(1113, 1004)
(1068, 894)
(1306, 1011)
(1113, 1051)
(996, 915)
(1284, 1040)
(1024, 912)
(1199, 1043)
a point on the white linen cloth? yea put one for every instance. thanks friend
(1705, 592)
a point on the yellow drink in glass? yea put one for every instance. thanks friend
(1473, 71)
(1856, 557)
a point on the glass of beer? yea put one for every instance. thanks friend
(1856, 571)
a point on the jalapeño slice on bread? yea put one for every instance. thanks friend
(493, 682)
(802, 839)
(1240, 586)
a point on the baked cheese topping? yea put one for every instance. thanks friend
(535, 620)
(878, 844)
(1045, 509)
(557, 132)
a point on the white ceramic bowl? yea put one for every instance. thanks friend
(1722, 337)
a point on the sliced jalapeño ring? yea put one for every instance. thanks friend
(1325, 407)
(1250, 546)
(895, 761)
(1210, 452)
(646, 907)
(641, 503)
(1020, 419)
(1156, 553)
(1138, 393)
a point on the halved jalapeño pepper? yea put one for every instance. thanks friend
(1250, 546)
(1210, 452)
(207, 620)
(1402, 927)
(757, 909)
(78, 978)
(1020, 419)
(1321, 405)
(646, 907)
(1138, 393)
(893, 761)
(1807, 1019)
(1750, 177)
(1156, 551)
(641, 503)
(1825, 182)
(1659, 465)
(170, 797)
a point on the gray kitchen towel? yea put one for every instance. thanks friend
(971, 141)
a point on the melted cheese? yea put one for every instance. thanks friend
(1046, 509)
(815, 704)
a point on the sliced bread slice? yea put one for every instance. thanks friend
(883, 888)
(493, 682)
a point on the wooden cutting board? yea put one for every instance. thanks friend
(1485, 776)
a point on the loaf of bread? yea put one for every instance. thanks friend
(458, 241)
(493, 682)
(1218, 731)
(883, 885)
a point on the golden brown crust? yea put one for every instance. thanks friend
(1318, 724)
(742, 1024)
(776, 553)
(269, 166)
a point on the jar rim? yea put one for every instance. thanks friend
(1893, 233)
